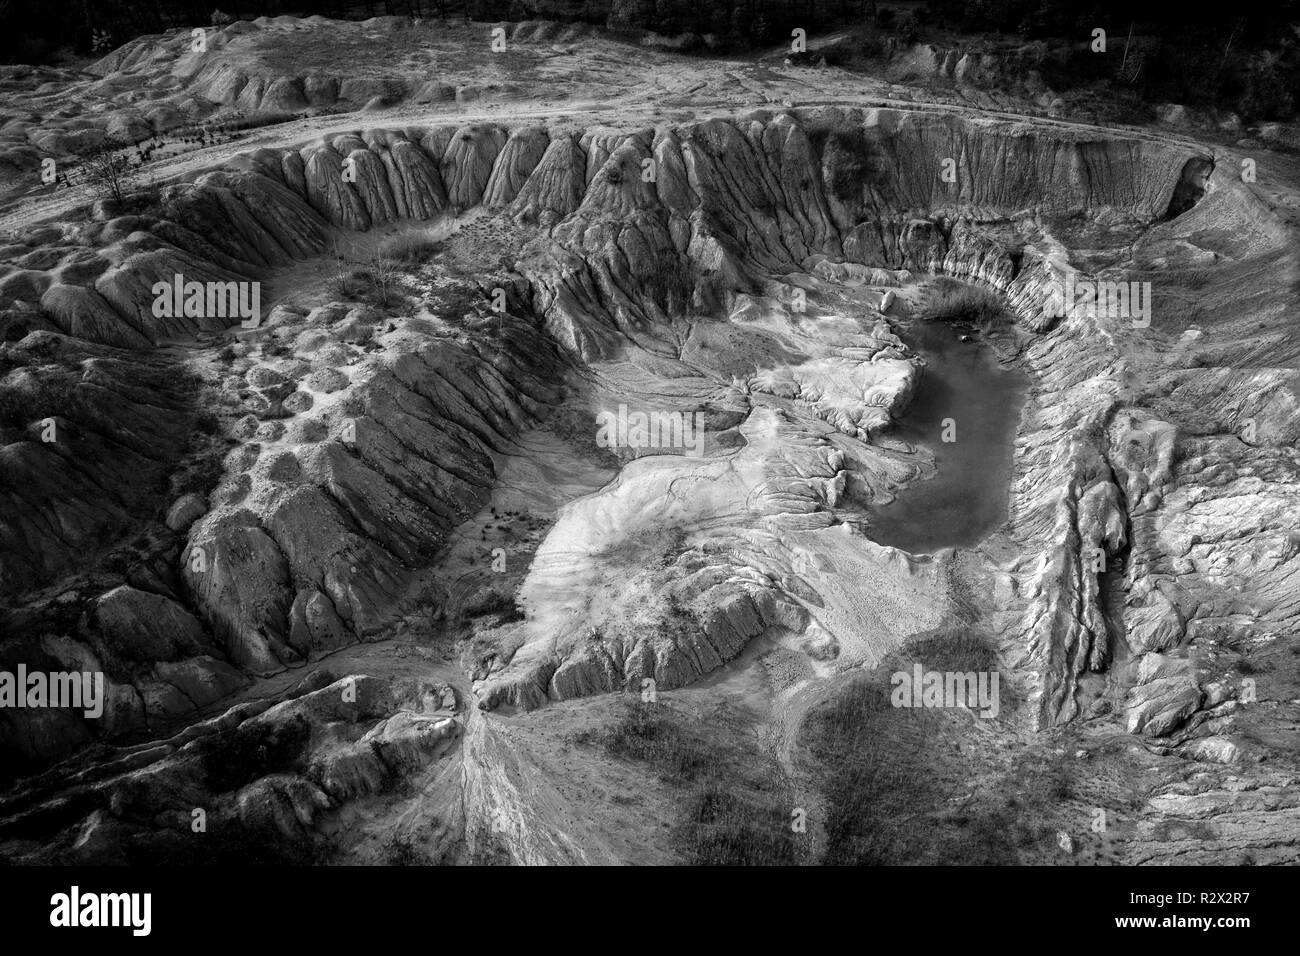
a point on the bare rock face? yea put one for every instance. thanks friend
(1167, 694)
(468, 162)
(328, 191)
(413, 177)
(84, 314)
(261, 774)
(240, 574)
(315, 627)
(147, 627)
(185, 510)
(556, 185)
(519, 157)
(97, 431)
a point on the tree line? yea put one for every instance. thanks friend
(1210, 58)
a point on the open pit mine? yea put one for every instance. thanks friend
(457, 442)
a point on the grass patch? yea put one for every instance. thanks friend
(897, 794)
(736, 803)
(724, 828)
(410, 250)
(878, 786)
(917, 786)
(652, 547)
(948, 300)
(646, 733)
(954, 649)
(576, 426)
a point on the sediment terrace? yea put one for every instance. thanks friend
(665, 268)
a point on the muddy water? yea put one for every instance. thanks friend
(967, 498)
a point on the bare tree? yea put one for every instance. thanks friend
(384, 277)
(1227, 47)
(1127, 41)
(107, 170)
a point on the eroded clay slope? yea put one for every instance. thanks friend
(362, 451)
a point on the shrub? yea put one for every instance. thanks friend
(954, 649)
(502, 605)
(349, 284)
(409, 250)
(377, 282)
(909, 27)
(207, 423)
(871, 47)
(848, 157)
(947, 300)
(107, 169)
